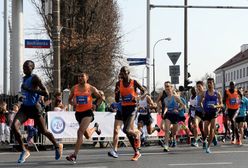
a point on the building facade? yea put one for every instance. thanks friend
(235, 69)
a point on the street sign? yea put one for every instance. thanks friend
(136, 59)
(32, 43)
(137, 63)
(174, 56)
(174, 79)
(174, 70)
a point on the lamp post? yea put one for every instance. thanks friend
(168, 39)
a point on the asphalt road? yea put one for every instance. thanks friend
(183, 156)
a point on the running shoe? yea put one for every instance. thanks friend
(239, 142)
(156, 127)
(208, 150)
(24, 155)
(113, 154)
(58, 151)
(195, 144)
(166, 148)
(72, 158)
(136, 156)
(98, 131)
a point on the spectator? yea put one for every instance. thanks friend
(4, 128)
(58, 104)
(11, 117)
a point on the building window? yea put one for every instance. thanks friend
(228, 76)
(234, 75)
(240, 73)
(231, 76)
(246, 71)
(243, 72)
(237, 74)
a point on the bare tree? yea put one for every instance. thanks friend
(90, 41)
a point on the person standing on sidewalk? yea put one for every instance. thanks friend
(32, 88)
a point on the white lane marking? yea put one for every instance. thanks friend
(200, 164)
(96, 167)
(219, 152)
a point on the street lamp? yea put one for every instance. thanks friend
(168, 39)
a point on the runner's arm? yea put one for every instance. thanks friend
(117, 92)
(96, 93)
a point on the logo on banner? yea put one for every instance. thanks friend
(57, 125)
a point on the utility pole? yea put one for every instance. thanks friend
(148, 44)
(185, 43)
(5, 49)
(56, 45)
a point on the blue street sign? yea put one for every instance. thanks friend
(31, 43)
(137, 59)
(137, 63)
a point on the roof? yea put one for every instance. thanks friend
(241, 56)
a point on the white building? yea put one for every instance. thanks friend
(235, 69)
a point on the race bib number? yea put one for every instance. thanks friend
(82, 99)
(142, 111)
(233, 101)
(210, 104)
(127, 98)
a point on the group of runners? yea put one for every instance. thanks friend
(205, 106)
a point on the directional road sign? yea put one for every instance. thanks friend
(136, 59)
(32, 43)
(137, 63)
(174, 70)
(174, 56)
(174, 79)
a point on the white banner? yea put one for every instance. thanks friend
(64, 124)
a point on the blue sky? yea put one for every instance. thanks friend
(214, 36)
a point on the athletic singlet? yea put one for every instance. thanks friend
(182, 111)
(243, 107)
(82, 99)
(171, 104)
(128, 94)
(210, 100)
(143, 103)
(232, 101)
(198, 107)
(192, 103)
(29, 98)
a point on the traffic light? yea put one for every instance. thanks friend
(187, 87)
(187, 82)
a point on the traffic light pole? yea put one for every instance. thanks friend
(148, 45)
(185, 44)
